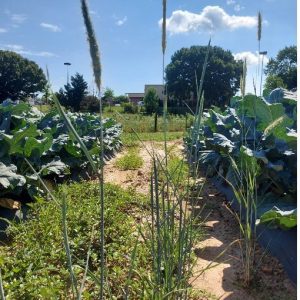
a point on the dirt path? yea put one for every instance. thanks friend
(220, 230)
(219, 249)
(138, 179)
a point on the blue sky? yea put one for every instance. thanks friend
(129, 35)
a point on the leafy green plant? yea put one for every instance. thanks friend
(34, 265)
(130, 161)
(130, 108)
(276, 218)
(267, 131)
(44, 140)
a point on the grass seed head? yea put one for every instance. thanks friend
(259, 25)
(94, 49)
(164, 27)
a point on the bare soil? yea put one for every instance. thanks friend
(220, 252)
(138, 179)
(217, 273)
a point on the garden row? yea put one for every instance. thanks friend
(29, 138)
(259, 132)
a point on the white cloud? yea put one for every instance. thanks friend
(51, 27)
(121, 21)
(238, 7)
(210, 19)
(3, 30)
(20, 50)
(230, 2)
(251, 58)
(18, 18)
(14, 47)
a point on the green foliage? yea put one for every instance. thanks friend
(75, 92)
(143, 123)
(151, 101)
(34, 263)
(130, 108)
(19, 77)
(273, 82)
(284, 67)
(130, 161)
(275, 218)
(177, 169)
(45, 141)
(221, 82)
(130, 139)
(108, 96)
(90, 103)
(257, 133)
(121, 99)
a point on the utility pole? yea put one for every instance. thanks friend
(67, 64)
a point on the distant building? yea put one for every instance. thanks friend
(159, 88)
(135, 97)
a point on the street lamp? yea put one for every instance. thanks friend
(263, 53)
(67, 64)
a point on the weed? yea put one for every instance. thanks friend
(34, 264)
(130, 161)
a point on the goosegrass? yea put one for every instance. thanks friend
(34, 265)
(130, 161)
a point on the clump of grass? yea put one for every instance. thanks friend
(130, 161)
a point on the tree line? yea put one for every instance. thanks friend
(21, 78)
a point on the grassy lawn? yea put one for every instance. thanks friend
(144, 123)
(130, 139)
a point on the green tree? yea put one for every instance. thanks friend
(19, 77)
(284, 66)
(221, 81)
(90, 103)
(151, 101)
(75, 92)
(273, 82)
(108, 96)
(121, 99)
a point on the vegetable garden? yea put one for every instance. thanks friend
(31, 138)
(86, 237)
(262, 131)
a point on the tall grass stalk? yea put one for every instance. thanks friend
(259, 32)
(245, 191)
(1, 287)
(194, 134)
(165, 101)
(96, 63)
(67, 248)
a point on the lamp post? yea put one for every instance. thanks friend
(263, 53)
(67, 64)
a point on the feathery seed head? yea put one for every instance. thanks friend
(259, 26)
(94, 49)
(164, 27)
